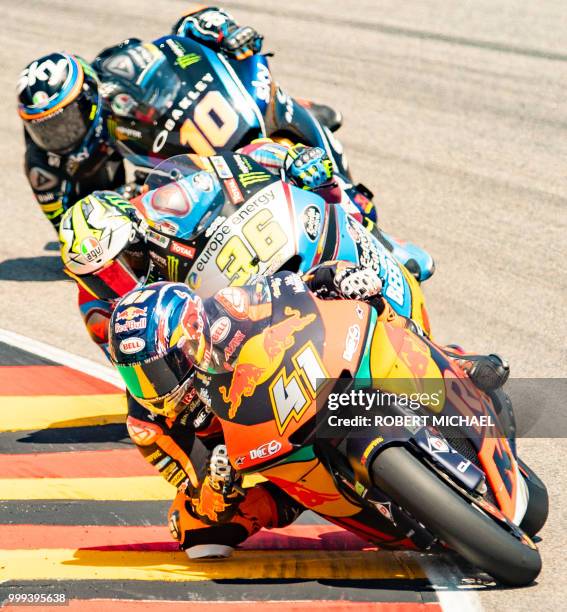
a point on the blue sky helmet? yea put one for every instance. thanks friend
(59, 102)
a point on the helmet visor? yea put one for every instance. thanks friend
(110, 282)
(160, 384)
(62, 131)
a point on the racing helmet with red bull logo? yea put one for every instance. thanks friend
(157, 335)
(102, 241)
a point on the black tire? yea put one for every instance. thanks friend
(538, 504)
(476, 537)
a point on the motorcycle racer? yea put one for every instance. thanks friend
(216, 28)
(67, 107)
(176, 431)
(169, 358)
(103, 246)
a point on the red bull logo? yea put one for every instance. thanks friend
(261, 356)
(129, 316)
(131, 313)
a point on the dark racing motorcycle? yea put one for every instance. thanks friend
(190, 99)
(400, 479)
(223, 220)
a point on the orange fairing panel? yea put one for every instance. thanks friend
(292, 369)
(312, 486)
(500, 466)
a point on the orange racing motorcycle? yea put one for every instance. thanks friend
(398, 479)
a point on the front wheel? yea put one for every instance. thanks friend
(538, 502)
(472, 534)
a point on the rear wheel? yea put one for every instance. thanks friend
(472, 534)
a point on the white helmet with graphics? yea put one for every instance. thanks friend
(94, 235)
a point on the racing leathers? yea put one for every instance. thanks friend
(58, 181)
(204, 516)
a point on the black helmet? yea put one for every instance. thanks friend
(59, 102)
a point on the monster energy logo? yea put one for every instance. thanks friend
(249, 178)
(187, 60)
(172, 268)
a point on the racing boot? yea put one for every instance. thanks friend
(263, 506)
(487, 372)
(324, 114)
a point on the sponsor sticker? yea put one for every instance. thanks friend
(243, 164)
(193, 280)
(168, 227)
(385, 509)
(214, 225)
(158, 239)
(91, 248)
(48, 70)
(133, 317)
(141, 432)
(234, 343)
(263, 84)
(203, 181)
(172, 268)
(176, 47)
(234, 192)
(123, 133)
(220, 329)
(178, 111)
(187, 60)
(251, 178)
(181, 249)
(370, 448)
(129, 346)
(40, 98)
(234, 300)
(161, 261)
(352, 341)
(312, 222)
(266, 450)
(221, 167)
(437, 445)
(294, 281)
(42, 180)
(275, 284)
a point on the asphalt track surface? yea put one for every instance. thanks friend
(454, 115)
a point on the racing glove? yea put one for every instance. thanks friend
(343, 280)
(308, 167)
(217, 28)
(222, 475)
(241, 42)
(220, 494)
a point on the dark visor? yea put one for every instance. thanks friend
(60, 132)
(151, 381)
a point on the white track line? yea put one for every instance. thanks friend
(438, 572)
(445, 581)
(61, 356)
